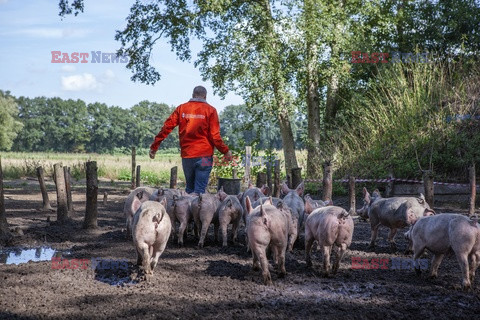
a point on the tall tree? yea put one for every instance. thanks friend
(9, 125)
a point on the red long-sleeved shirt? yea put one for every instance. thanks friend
(198, 128)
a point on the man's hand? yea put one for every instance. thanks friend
(152, 154)
(228, 156)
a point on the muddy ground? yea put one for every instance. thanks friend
(213, 282)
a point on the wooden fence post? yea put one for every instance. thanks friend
(390, 190)
(261, 179)
(269, 175)
(296, 174)
(91, 210)
(43, 188)
(428, 186)
(134, 166)
(68, 188)
(473, 189)
(327, 180)
(173, 177)
(105, 198)
(137, 177)
(5, 235)
(248, 159)
(351, 192)
(62, 205)
(276, 179)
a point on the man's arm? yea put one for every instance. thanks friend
(214, 127)
(168, 126)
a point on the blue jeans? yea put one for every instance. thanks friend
(197, 172)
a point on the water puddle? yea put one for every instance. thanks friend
(22, 255)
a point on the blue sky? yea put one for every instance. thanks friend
(30, 30)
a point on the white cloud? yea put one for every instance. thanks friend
(83, 82)
(68, 68)
(87, 81)
(53, 33)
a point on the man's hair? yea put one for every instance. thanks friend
(199, 92)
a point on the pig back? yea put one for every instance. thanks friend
(150, 221)
(330, 225)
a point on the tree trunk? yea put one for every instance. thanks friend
(45, 200)
(314, 159)
(62, 204)
(91, 210)
(5, 235)
(287, 141)
(68, 189)
(327, 181)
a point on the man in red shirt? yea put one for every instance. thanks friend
(199, 133)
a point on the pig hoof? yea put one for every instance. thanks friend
(408, 251)
(433, 276)
(282, 274)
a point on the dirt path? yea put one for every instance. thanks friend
(212, 282)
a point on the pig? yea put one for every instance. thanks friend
(317, 203)
(297, 207)
(254, 194)
(168, 194)
(150, 232)
(230, 211)
(329, 226)
(143, 194)
(443, 232)
(183, 213)
(293, 217)
(394, 213)
(267, 226)
(205, 211)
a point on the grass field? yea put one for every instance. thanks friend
(155, 172)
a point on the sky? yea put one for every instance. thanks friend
(31, 29)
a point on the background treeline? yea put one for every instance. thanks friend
(53, 124)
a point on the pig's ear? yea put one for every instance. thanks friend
(136, 204)
(428, 212)
(250, 185)
(376, 193)
(229, 203)
(248, 205)
(140, 195)
(164, 202)
(421, 199)
(265, 190)
(268, 201)
(300, 189)
(308, 207)
(328, 202)
(239, 196)
(175, 197)
(285, 188)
